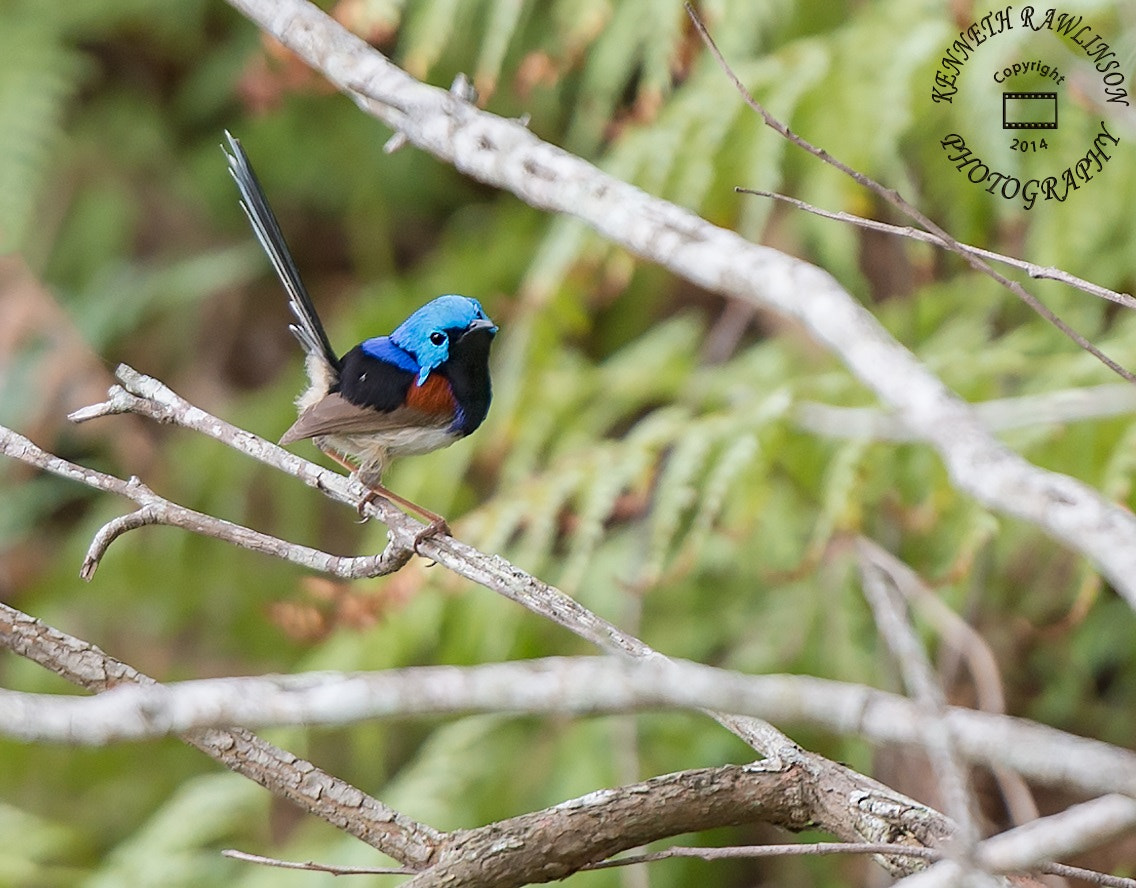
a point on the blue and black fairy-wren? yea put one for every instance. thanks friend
(421, 388)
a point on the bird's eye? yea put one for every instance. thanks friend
(437, 337)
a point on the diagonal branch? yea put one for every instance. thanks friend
(1038, 272)
(503, 153)
(280, 772)
(880, 589)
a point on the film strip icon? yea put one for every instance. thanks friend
(1029, 110)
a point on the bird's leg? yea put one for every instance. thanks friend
(435, 523)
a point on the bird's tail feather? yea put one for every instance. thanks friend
(308, 329)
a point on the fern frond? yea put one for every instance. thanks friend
(734, 459)
(38, 74)
(624, 466)
(674, 494)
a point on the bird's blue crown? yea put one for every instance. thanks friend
(420, 344)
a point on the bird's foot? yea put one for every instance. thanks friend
(369, 497)
(437, 527)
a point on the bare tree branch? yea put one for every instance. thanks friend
(578, 685)
(157, 510)
(803, 849)
(701, 853)
(972, 648)
(503, 153)
(313, 867)
(558, 841)
(819, 848)
(280, 772)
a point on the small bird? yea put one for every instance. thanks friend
(419, 389)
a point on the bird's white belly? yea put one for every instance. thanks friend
(411, 442)
(374, 452)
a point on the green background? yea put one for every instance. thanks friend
(642, 451)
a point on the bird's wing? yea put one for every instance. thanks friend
(335, 415)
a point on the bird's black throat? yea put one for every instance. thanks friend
(467, 369)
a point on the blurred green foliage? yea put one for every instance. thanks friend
(641, 451)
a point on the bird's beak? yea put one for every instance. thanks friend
(481, 324)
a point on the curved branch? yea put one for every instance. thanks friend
(111, 531)
(558, 841)
(280, 772)
(157, 510)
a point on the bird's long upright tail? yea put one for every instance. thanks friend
(308, 329)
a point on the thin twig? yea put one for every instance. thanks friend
(312, 866)
(975, 652)
(894, 198)
(742, 852)
(821, 848)
(158, 510)
(891, 621)
(1035, 271)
